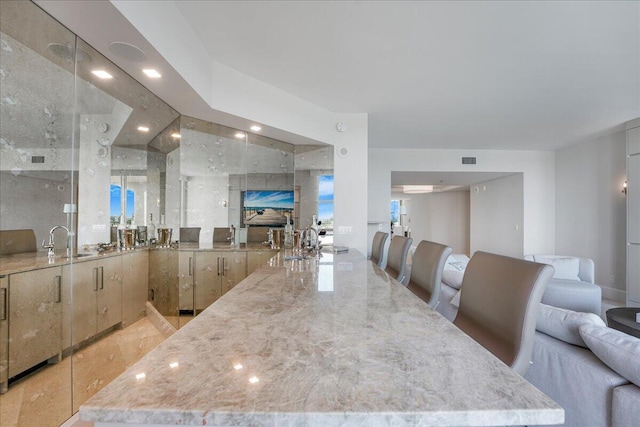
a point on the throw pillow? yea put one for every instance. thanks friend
(457, 262)
(619, 351)
(563, 324)
(566, 268)
(453, 278)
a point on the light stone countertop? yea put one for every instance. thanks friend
(17, 263)
(320, 342)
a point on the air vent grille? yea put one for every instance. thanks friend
(468, 160)
(37, 159)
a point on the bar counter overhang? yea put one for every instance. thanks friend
(322, 341)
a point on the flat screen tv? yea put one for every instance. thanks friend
(267, 207)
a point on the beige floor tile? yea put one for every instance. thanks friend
(44, 398)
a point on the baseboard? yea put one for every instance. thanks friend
(613, 294)
(158, 320)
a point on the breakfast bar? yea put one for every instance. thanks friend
(325, 340)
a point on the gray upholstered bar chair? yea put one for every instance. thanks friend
(397, 258)
(426, 271)
(377, 247)
(190, 234)
(498, 305)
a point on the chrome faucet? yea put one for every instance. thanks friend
(232, 235)
(307, 239)
(51, 244)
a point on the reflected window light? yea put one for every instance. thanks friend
(237, 366)
(150, 72)
(174, 365)
(140, 376)
(102, 74)
(253, 380)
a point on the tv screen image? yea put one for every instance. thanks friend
(267, 207)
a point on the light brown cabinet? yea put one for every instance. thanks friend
(135, 285)
(35, 318)
(163, 281)
(4, 333)
(185, 281)
(215, 273)
(93, 298)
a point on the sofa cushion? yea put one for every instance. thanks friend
(577, 296)
(563, 324)
(626, 406)
(453, 278)
(566, 268)
(619, 351)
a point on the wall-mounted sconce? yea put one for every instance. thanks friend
(225, 203)
(624, 187)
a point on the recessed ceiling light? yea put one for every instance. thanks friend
(175, 135)
(240, 135)
(143, 129)
(127, 51)
(256, 128)
(102, 74)
(417, 189)
(150, 72)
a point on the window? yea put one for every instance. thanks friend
(395, 212)
(325, 200)
(115, 205)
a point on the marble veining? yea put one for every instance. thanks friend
(320, 342)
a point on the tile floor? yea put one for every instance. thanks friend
(44, 398)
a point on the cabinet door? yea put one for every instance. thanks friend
(633, 274)
(208, 273)
(79, 302)
(234, 267)
(35, 318)
(109, 302)
(135, 284)
(633, 199)
(163, 281)
(185, 286)
(4, 333)
(256, 259)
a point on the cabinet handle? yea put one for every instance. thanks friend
(190, 266)
(224, 267)
(218, 265)
(3, 307)
(101, 277)
(95, 279)
(58, 289)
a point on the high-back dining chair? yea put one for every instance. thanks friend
(397, 258)
(190, 234)
(426, 271)
(498, 305)
(377, 247)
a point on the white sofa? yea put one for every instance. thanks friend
(595, 388)
(572, 285)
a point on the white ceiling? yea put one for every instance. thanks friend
(484, 75)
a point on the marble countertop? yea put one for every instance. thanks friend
(320, 342)
(17, 263)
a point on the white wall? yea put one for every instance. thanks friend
(497, 214)
(590, 208)
(439, 217)
(537, 167)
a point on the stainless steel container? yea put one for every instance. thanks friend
(277, 238)
(142, 235)
(127, 238)
(164, 236)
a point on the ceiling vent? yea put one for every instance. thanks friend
(37, 159)
(468, 160)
